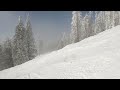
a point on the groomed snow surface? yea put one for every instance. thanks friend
(97, 57)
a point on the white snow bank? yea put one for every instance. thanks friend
(95, 57)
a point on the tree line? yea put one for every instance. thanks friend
(92, 23)
(20, 48)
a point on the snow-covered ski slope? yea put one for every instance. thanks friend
(97, 57)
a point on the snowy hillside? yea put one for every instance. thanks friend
(94, 57)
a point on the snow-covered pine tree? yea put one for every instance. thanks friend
(83, 32)
(86, 26)
(107, 20)
(19, 51)
(112, 19)
(96, 23)
(90, 24)
(116, 18)
(8, 53)
(31, 48)
(102, 20)
(5, 55)
(76, 27)
(119, 17)
(2, 61)
(99, 22)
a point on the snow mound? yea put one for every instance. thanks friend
(95, 57)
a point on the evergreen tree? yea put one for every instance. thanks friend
(107, 20)
(99, 22)
(8, 53)
(76, 26)
(96, 23)
(5, 55)
(2, 61)
(31, 49)
(83, 33)
(89, 24)
(19, 51)
(117, 18)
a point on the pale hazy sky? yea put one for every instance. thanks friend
(46, 25)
